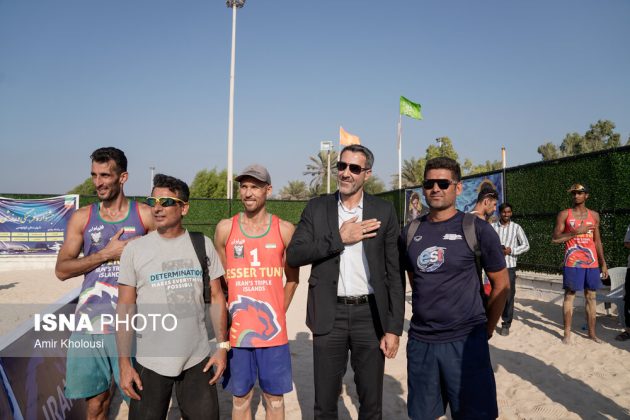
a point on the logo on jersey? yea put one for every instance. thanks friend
(96, 237)
(578, 256)
(431, 259)
(238, 246)
(96, 234)
(253, 322)
(452, 237)
(417, 238)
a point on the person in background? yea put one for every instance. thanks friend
(578, 229)
(514, 243)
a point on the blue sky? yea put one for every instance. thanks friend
(152, 78)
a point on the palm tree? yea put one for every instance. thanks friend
(412, 173)
(318, 169)
(295, 190)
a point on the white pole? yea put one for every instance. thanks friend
(230, 169)
(328, 186)
(504, 165)
(152, 168)
(399, 151)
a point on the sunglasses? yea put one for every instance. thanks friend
(354, 168)
(443, 184)
(163, 201)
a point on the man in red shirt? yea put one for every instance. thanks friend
(578, 229)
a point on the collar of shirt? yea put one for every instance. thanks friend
(353, 211)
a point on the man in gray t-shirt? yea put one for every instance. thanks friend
(161, 293)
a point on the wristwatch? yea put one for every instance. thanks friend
(224, 345)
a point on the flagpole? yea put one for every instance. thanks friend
(503, 165)
(399, 151)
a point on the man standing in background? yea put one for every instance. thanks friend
(578, 229)
(514, 243)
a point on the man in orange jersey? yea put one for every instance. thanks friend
(578, 229)
(251, 246)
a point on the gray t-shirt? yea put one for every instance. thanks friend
(168, 280)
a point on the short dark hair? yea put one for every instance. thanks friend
(105, 154)
(504, 206)
(357, 148)
(178, 186)
(487, 192)
(443, 162)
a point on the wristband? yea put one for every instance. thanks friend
(224, 345)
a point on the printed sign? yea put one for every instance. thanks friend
(35, 227)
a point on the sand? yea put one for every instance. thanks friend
(537, 376)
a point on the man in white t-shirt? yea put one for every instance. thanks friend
(161, 286)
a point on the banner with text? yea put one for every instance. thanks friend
(36, 226)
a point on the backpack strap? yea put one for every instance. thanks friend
(470, 235)
(412, 227)
(199, 243)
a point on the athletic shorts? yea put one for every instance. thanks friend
(458, 374)
(91, 362)
(271, 365)
(577, 279)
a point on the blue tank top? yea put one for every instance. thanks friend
(99, 292)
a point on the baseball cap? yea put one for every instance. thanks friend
(255, 171)
(578, 188)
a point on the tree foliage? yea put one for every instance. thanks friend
(295, 190)
(210, 184)
(374, 185)
(488, 166)
(599, 136)
(412, 173)
(317, 169)
(85, 188)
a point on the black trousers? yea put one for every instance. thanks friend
(196, 398)
(356, 330)
(508, 310)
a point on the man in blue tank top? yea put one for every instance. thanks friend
(100, 231)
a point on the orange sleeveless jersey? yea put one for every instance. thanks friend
(580, 251)
(255, 286)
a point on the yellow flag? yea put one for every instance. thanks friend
(346, 139)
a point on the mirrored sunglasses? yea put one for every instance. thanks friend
(163, 201)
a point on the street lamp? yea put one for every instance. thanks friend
(233, 4)
(327, 146)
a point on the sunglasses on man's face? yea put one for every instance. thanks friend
(443, 184)
(354, 168)
(163, 201)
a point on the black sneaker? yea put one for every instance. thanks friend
(505, 331)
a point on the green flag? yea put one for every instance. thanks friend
(410, 109)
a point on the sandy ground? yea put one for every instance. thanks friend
(537, 376)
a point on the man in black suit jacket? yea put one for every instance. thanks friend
(355, 294)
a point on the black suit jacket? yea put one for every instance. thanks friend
(317, 241)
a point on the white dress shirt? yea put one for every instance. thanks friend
(354, 272)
